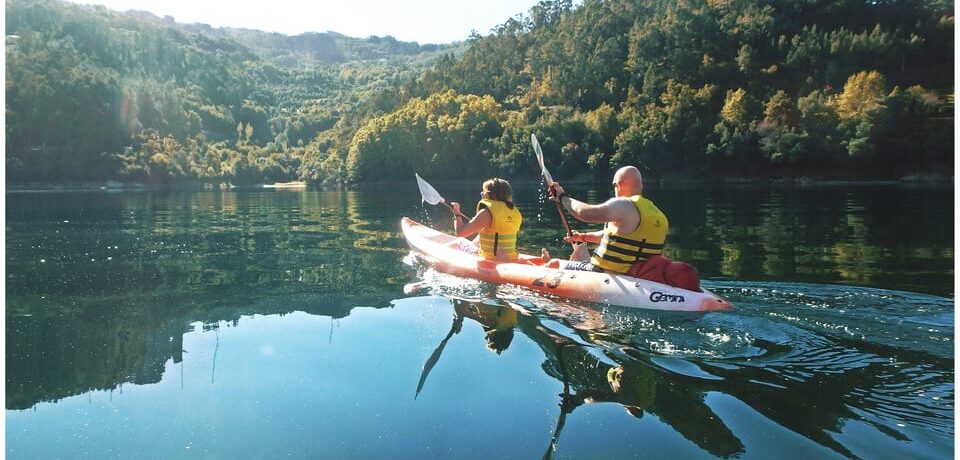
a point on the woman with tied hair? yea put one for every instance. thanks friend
(497, 222)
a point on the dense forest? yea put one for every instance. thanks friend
(688, 88)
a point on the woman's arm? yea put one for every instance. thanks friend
(482, 220)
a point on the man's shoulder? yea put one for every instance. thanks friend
(622, 204)
(620, 199)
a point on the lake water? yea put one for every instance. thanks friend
(273, 324)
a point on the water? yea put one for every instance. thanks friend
(269, 324)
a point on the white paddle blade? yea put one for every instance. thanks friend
(539, 152)
(415, 287)
(427, 192)
(546, 175)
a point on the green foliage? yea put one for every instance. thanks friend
(736, 129)
(862, 95)
(442, 134)
(919, 131)
(863, 113)
(676, 87)
(89, 90)
(661, 67)
(665, 134)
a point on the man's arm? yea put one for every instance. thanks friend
(613, 210)
(584, 237)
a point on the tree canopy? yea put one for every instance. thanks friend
(682, 87)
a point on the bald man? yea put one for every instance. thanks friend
(634, 228)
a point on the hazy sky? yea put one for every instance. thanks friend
(423, 21)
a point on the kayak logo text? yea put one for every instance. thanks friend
(657, 296)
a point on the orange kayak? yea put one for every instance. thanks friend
(443, 252)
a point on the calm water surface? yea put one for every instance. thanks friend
(270, 324)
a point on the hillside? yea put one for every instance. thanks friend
(701, 88)
(315, 48)
(693, 88)
(94, 94)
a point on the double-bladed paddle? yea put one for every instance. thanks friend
(546, 175)
(432, 196)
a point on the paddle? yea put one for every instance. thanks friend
(432, 196)
(564, 406)
(435, 356)
(546, 175)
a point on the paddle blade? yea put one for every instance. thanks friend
(415, 287)
(427, 192)
(539, 152)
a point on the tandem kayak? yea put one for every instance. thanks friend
(444, 253)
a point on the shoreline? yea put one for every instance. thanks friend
(684, 181)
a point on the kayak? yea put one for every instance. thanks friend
(446, 254)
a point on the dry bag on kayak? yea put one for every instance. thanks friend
(663, 270)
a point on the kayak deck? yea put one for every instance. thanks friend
(443, 252)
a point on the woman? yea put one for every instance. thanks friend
(497, 221)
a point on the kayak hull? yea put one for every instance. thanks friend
(442, 251)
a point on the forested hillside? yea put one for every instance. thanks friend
(697, 88)
(723, 87)
(93, 94)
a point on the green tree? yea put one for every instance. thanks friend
(736, 128)
(863, 112)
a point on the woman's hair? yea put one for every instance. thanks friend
(498, 341)
(499, 189)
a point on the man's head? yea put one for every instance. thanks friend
(627, 181)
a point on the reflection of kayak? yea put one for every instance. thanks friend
(442, 251)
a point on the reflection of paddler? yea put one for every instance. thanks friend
(630, 384)
(497, 322)
(633, 387)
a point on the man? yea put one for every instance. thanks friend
(633, 236)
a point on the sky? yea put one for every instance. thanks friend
(423, 21)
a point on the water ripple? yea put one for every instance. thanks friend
(881, 357)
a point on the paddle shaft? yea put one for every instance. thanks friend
(546, 175)
(563, 217)
(455, 212)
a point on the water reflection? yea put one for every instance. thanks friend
(179, 243)
(808, 384)
(102, 288)
(592, 375)
(825, 235)
(498, 323)
(50, 358)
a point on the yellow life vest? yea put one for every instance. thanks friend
(495, 318)
(617, 253)
(501, 236)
